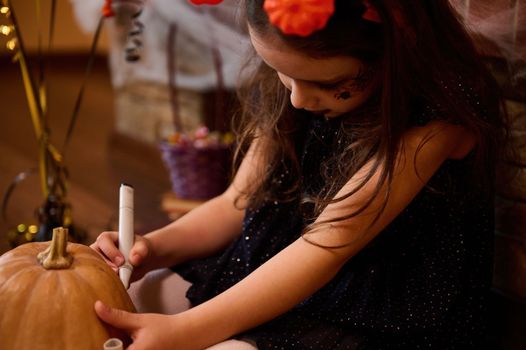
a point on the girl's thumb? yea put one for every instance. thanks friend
(115, 317)
(138, 253)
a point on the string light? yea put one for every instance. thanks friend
(4, 10)
(6, 30)
(11, 44)
(22, 233)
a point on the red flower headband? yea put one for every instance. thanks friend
(300, 17)
(206, 2)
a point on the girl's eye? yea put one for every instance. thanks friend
(331, 86)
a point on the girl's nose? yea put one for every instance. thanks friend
(302, 96)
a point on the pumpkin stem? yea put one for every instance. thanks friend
(56, 256)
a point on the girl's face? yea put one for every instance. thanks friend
(325, 86)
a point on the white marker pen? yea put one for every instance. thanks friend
(126, 232)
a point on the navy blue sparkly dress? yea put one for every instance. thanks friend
(421, 283)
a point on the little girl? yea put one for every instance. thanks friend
(361, 212)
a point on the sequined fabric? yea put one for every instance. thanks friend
(422, 283)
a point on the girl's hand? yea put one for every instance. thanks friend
(106, 245)
(147, 331)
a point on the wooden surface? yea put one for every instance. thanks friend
(98, 160)
(176, 207)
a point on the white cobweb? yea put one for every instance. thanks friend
(503, 23)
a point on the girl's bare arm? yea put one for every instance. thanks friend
(201, 232)
(207, 228)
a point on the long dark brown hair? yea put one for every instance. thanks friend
(422, 50)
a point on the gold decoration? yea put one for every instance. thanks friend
(55, 210)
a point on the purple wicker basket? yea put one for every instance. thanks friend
(197, 172)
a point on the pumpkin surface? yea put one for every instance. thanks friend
(52, 308)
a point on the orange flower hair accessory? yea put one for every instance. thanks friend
(299, 17)
(206, 2)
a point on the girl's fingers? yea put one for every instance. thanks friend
(120, 319)
(105, 244)
(139, 251)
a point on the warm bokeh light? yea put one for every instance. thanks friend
(6, 30)
(11, 44)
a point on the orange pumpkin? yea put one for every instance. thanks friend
(47, 293)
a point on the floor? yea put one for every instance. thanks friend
(97, 158)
